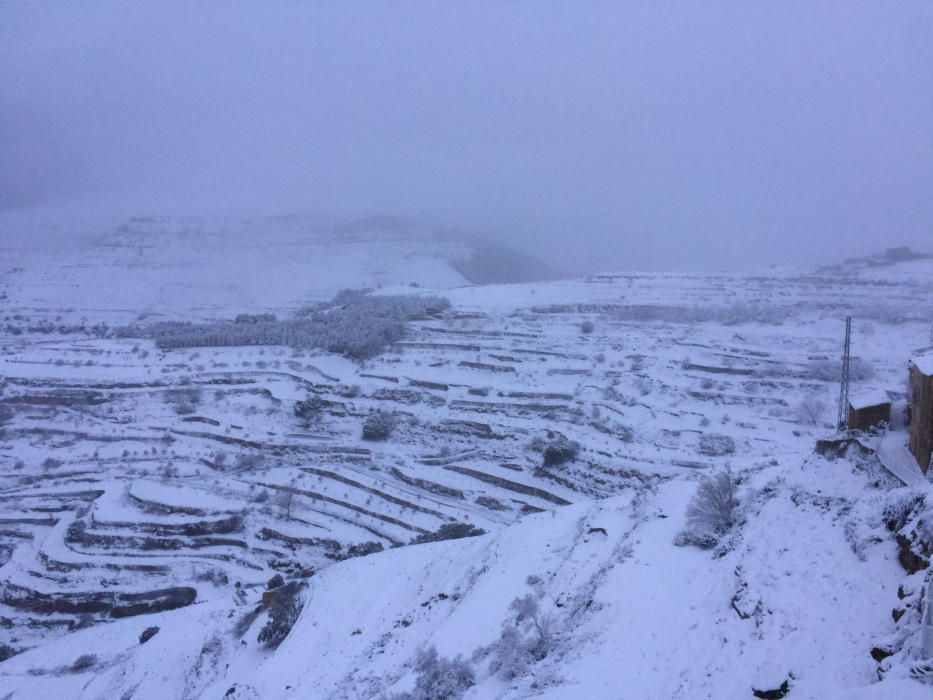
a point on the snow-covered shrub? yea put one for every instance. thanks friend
(83, 663)
(556, 450)
(560, 451)
(440, 678)
(715, 445)
(249, 462)
(528, 614)
(908, 516)
(347, 391)
(490, 502)
(6, 413)
(712, 511)
(527, 637)
(509, 655)
(168, 472)
(379, 425)
(586, 327)
(901, 508)
(450, 531)
(810, 409)
(310, 409)
(283, 613)
(831, 370)
(184, 401)
(356, 324)
(6, 652)
(363, 549)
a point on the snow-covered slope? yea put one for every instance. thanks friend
(141, 488)
(197, 268)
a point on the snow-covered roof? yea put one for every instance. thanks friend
(923, 362)
(869, 397)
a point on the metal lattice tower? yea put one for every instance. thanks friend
(842, 422)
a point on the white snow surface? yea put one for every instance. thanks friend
(109, 487)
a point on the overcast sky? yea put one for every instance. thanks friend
(603, 135)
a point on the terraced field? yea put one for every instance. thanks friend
(135, 481)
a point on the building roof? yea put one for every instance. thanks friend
(868, 398)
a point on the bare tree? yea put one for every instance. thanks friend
(439, 677)
(285, 500)
(810, 409)
(712, 511)
(527, 637)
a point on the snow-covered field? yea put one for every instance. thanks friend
(145, 488)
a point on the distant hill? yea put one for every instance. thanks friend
(889, 257)
(489, 263)
(204, 267)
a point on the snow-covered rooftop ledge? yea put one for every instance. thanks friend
(869, 397)
(923, 361)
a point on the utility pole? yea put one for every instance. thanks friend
(842, 421)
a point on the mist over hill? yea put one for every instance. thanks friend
(466, 350)
(214, 265)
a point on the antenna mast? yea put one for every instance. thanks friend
(842, 421)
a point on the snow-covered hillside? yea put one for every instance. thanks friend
(570, 421)
(173, 267)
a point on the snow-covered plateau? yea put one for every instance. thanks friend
(521, 520)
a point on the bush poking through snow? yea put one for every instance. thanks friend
(831, 370)
(714, 445)
(83, 663)
(184, 401)
(810, 409)
(249, 462)
(528, 615)
(712, 512)
(440, 678)
(450, 531)
(527, 637)
(283, 613)
(354, 323)
(379, 425)
(560, 451)
(556, 450)
(347, 391)
(310, 409)
(363, 549)
(586, 327)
